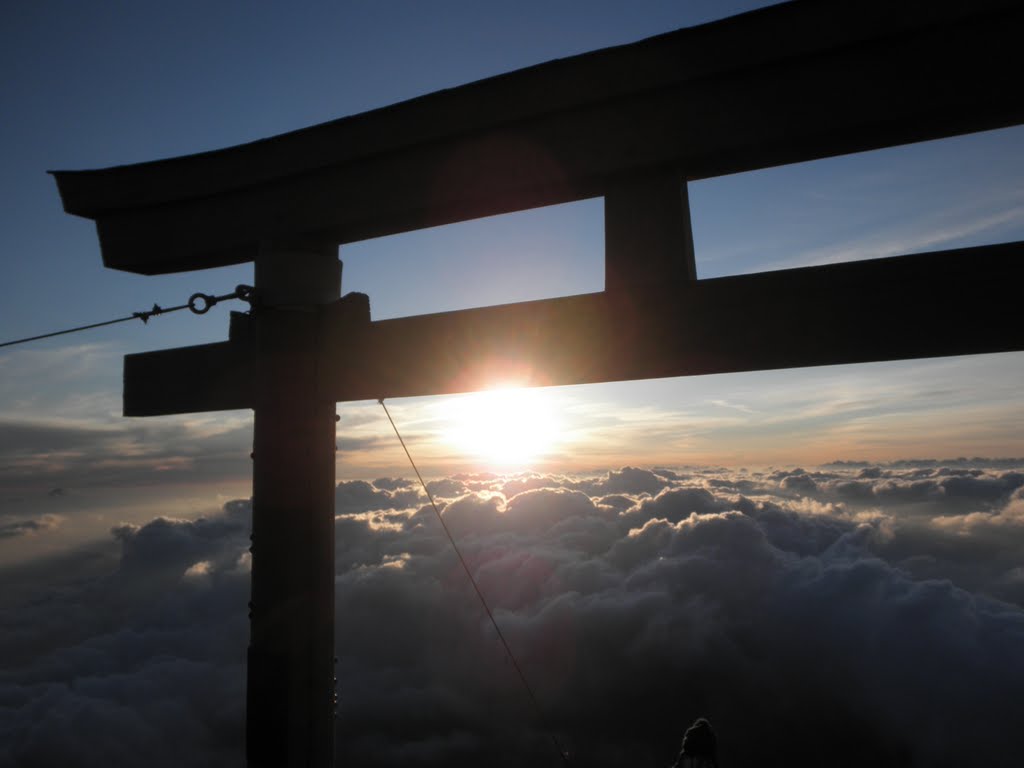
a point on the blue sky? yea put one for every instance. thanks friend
(93, 85)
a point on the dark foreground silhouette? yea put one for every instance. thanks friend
(699, 746)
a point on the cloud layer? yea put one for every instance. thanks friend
(842, 615)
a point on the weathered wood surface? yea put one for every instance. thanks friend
(788, 83)
(956, 302)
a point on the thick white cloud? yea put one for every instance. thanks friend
(361, 496)
(810, 622)
(141, 663)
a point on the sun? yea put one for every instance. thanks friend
(506, 426)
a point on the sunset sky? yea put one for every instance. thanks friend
(91, 85)
(119, 84)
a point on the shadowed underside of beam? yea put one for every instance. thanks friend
(926, 305)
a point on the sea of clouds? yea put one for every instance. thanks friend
(843, 615)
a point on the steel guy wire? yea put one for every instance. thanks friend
(198, 303)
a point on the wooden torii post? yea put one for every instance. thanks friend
(631, 124)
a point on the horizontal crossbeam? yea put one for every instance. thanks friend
(784, 84)
(956, 302)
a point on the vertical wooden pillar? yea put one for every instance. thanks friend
(290, 718)
(649, 262)
(648, 243)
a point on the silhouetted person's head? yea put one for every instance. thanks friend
(699, 745)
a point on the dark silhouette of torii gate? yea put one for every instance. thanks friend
(631, 124)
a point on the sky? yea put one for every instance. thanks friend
(83, 490)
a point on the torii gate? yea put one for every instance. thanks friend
(631, 124)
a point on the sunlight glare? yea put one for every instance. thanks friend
(504, 426)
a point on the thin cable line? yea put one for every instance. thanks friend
(469, 574)
(198, 303)
(143, 316)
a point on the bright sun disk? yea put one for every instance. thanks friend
(503, 426)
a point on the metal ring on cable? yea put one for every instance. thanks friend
(201, 309)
